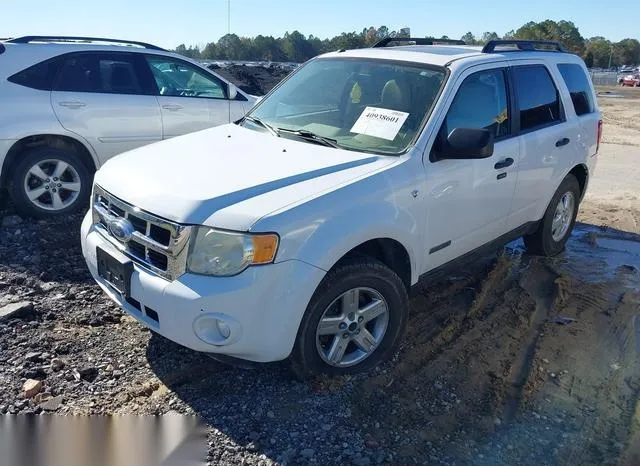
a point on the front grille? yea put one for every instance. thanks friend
(157, 244)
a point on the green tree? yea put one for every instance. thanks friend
(296, 47)
(598, 52)
(229, 47)
(563, 31)
(210, 52)
(469, 38)
(191, 51)
(627, 52)
(487, 36)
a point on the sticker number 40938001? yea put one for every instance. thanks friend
(379, 122)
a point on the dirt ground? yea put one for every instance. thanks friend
(620, 108)
(514, 360)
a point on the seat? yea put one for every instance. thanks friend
(395, 96)
(122, 79)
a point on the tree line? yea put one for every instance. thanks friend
(296, 47)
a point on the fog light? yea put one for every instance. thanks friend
(224, 329)
(216, 329)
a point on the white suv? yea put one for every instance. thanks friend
(71, 103)
(300, 230)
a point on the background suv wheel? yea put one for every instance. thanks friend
(48, 181)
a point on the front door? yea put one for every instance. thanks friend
(468, 199)
(190, 98)
(105, 98)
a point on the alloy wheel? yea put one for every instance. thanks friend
(563, 216)
(352, 327)
(52, 184)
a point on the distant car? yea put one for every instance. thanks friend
(72, 103)
(632, 80)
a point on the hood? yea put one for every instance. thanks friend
(229, 176)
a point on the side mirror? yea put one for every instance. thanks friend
(233, 91)
(467, 143)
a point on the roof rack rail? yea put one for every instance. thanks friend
(28, 39)
(528, 45)
(417, 41)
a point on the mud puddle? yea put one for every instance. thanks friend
(518, 360)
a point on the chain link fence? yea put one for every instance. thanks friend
(604, 78)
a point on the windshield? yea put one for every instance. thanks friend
(360, 104)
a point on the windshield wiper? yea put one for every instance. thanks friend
(305, 134)
(266, 126)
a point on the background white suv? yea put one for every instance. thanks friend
(71, 103)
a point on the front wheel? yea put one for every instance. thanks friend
(49, 181)
(354, 321)
(555, 227)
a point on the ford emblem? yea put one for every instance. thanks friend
(121, 229)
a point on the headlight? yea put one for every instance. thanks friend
(223, 253)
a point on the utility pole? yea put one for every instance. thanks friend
(610, 55)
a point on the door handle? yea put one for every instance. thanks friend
(72, 104)
(503, 163)
(562, 142)
(172, 107)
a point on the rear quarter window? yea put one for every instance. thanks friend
(579, 87)
(38, 76)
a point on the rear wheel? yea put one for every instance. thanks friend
(354, 321)
(49, 181)
(555, 227)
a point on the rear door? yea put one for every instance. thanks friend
(548, 140)
(190, 98)
(107, 98)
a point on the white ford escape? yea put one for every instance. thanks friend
(71, 103)
(299, 231)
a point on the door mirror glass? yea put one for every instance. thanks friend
(468, 143)
(233, 91)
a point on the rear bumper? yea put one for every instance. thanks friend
(263, 305)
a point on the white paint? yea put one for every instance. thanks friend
(323, 202)
(379, 122)
(107, 124)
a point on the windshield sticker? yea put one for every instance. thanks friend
(379, 122)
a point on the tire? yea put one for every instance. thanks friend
(69, 193)
(549, 239)
(374, 280)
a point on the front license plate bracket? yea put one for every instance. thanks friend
(117, 273)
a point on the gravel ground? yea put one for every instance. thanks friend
(475, 383)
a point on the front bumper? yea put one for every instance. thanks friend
(263, 305)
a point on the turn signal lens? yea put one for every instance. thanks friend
(264, 248)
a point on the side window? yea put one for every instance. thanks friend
(79, 73)
(538, 98)
(103, 73)
(579, 88)
(481, 103)
(39, 76)
(118, 75)
(180, 79)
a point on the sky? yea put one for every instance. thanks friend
(170, 23)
